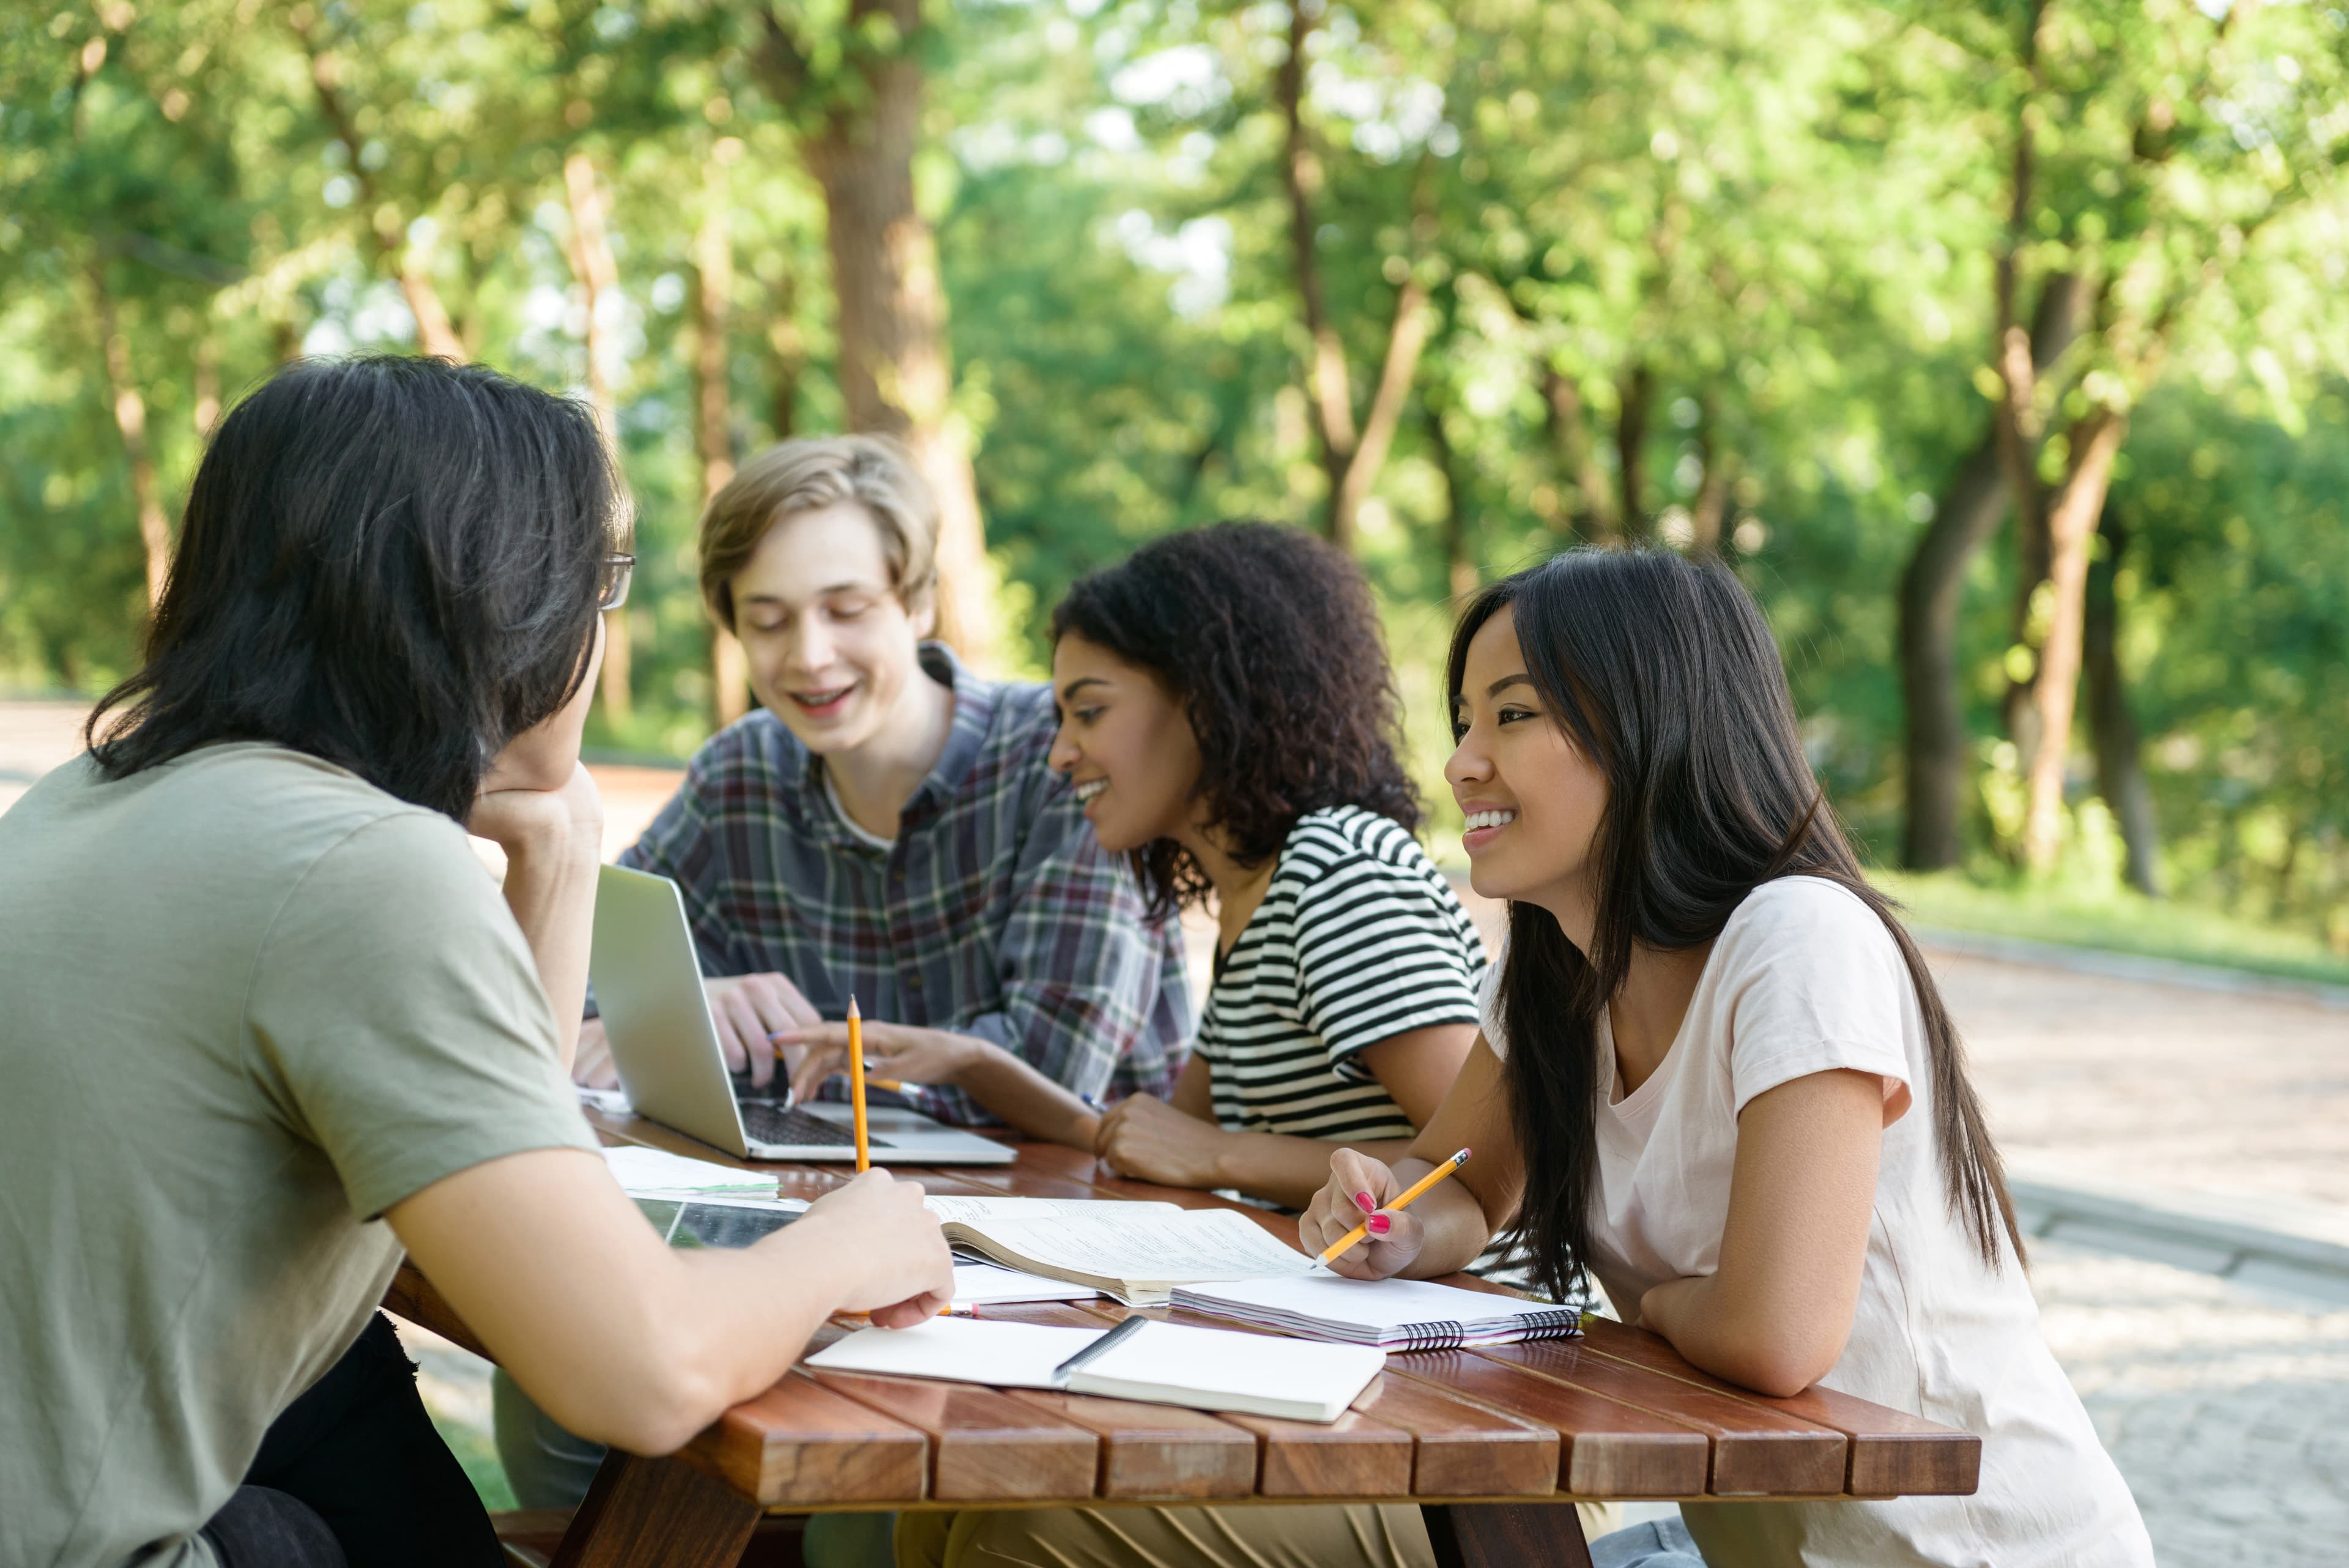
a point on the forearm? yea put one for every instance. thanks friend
(1289, 1170)
(1038, 1106)
(1454, 1225)
(550, 886)
(1712, 1324)
(737, 1321)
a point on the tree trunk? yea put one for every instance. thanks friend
(1569, 439)
(1406, 335)
(1710, 507)
(1932, 591)
(897, 372)
(131, 420)
(790, 350)
(1637, 391)
(435, 334)
(2071, 528)
(1351, 454)
(713, 262)
(598, 276)
(1460, 573)
(2113, 728)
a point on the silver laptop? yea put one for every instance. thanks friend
(657, 1017)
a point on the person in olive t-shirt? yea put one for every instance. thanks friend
(268, 1020)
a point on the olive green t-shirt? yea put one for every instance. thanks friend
(248, 1002)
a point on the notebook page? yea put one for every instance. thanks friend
(1134, 1242)
(1368, 1303)
(1226, 1369)
(966, 1349)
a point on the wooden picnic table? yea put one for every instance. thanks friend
(1489, 1442)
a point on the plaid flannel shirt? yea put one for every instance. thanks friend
(994, 914)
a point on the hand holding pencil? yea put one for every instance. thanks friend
(1361, 1222)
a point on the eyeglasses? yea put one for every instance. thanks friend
(612, 581)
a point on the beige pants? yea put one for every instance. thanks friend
(1305, 1535)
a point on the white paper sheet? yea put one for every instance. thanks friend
(652, 1170)
(980, 1285)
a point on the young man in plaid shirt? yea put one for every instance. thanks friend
(886, 825)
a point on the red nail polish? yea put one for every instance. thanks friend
(1363, 1200)
(1377, 1224)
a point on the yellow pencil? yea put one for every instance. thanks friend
(857, 1082)
(1421, 1185)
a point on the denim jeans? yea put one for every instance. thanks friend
(1656, 1543)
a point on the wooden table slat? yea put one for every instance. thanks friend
(1607, 1449)
(1463, 1450)
(802, 1442)
(1755, 1450)
(1892, 1454)
(984, 1446)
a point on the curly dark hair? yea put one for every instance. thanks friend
(1267, 638)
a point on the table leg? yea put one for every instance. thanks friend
(1506, 1536)
(640, 1512)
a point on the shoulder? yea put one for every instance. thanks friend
(290, 807)
(1014, 759)
(1807, 921)
(1341, 837)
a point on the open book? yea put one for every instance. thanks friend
(1137, 1252)
(1395, 1314)
(1165, 1364)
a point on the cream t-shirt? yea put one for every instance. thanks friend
(1804, 979)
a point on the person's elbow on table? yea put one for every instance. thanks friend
(622, 1340)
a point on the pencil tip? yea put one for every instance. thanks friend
(852, 1006)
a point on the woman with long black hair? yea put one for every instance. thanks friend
(1716, 1072)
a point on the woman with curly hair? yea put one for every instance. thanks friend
(1229, 722)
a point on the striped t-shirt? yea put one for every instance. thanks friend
(1359, 940)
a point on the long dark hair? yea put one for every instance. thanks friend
(390, 563)
(1664, 674)
(1268, 639)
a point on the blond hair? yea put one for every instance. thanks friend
(795, 476)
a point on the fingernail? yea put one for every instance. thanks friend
(1363, 1200)
(1378, 1224)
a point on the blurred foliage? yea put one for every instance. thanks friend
(1757, 236)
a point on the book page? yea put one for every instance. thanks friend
(1148, 1241)
(953, 1210)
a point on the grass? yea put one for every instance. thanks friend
(2115, 921)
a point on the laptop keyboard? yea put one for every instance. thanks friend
(768, 1123)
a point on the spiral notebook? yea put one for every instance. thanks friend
(1393, 1315)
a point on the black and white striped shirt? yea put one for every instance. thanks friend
(1359, 940)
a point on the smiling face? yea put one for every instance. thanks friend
(1532, 801)
(1125, 743)
(833, 651)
